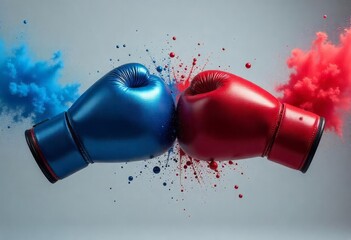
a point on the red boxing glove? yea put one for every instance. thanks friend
(222, 116)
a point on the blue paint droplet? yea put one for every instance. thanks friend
(147, 50)
(117, 46)
(124, 45)
(24, 21)
(157, 169)
(164, 184)
(130, 178)
(159, 69)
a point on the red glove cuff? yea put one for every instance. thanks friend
(296, 138)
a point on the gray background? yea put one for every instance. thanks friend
(278, 203)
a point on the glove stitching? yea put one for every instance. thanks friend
(77, 141)
(276, 131)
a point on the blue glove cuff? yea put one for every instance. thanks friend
(55, 148)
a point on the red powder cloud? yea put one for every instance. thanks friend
(321, 79)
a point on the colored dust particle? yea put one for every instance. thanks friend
(30, 88)
(320, 81)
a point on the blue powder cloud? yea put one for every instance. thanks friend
(31, 89)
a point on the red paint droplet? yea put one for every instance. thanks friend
(199, 55)
(194, 59)
(188, 163)
(236, 186)
(223, 49)
(217, 175)
(325, 16)
(240, 196)
(215, 185)
(182, 76)
(300, 118)
(172, 54)
(213, 165)
(174, 38)
(185, 166)
(248, 65)
(230, 162)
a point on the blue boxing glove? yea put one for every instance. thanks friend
(127, 115)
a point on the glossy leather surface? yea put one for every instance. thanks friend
(127, 115)
(222, 116)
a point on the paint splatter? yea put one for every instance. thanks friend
(248, 65)
(213, 165)
(177, 74)
(156, 169)
(321, 79)
(31, 88)
(159, 69)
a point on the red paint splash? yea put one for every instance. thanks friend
(178, 74)
(213, 165)
(321, 79)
